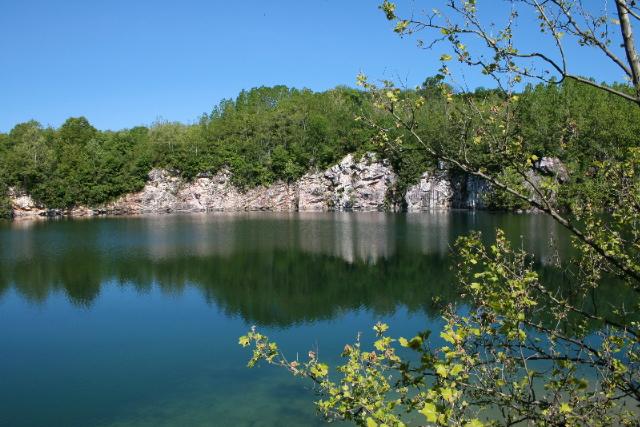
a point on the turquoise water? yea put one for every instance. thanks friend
(135, 321)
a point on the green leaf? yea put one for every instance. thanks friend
(320, 370)
(451, 336)
(442, 370)
(448, 394)
(415, 342)
(401, 26)
(389, 9)
(380, 327)
(456, 369)
(430, 412)
(371, 422)
(380, 345)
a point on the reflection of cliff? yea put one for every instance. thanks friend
(269, 269)
(352, 237)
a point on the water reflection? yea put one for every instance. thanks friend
(363, 236)
(134, 321)
(271, 269)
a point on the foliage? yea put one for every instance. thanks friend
(6, 211)
(264, 135)
(501, 199)
(5, 203)
(505, 354)
(75, 164)
(278, 133)
(520, 351)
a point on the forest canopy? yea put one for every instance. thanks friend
(279, 133)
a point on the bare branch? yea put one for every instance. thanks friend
(628, 43)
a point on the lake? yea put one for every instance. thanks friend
(135, 321)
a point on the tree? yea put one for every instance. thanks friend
(525, 352)
(76, 131)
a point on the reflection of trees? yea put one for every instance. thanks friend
(268, 269)
(286, 288)
(4, 280)
(78, 272)
(278, 287)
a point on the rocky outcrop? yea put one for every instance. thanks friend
(23, 204)
(553, 171)
(167, 192)
(358, 185)
(445, 189)
(434, 190)
(313, 192)
(552, 166)
(350, 185)
(363, 184)
(472, 191)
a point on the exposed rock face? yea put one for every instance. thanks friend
(552, 166)
(434, 191)
(358, 185)
(350, 185)
(443, 189)
(313, 192)
(472, 192)
(546, 167)
(23, 205)
(167, 192)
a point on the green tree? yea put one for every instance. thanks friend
(500, 364)
(28, 154)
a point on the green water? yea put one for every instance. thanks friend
(135, 321)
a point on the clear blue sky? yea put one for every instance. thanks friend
(125, 63)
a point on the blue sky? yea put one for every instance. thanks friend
(125, 63)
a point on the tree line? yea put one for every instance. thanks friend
(279, 133)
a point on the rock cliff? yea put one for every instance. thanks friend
(363, 184)
(359, 185)
(444, 189)
(434, 190)
(167, 192)
(23, 204)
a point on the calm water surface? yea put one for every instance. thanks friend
(135, 321)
